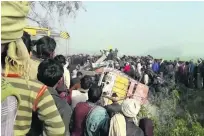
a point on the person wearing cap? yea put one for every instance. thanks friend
(16, 80)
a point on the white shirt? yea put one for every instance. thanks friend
(139, 67)
(78, 96)
(67, 77)
(151, 62)
(74, 73)
(133, 67)
(146, 79)
(107, 53)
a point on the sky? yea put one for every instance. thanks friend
(138, 28)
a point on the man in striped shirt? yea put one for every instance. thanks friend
(47, 110)
(17, 62)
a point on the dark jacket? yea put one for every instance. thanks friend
(147, 126)
(110, 56)
(113, 108)
(132, 129)
(63, 108)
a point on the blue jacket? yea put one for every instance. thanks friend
(191, 68)
(155, 67)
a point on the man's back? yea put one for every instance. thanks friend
(132, 129)
(45, 106)
(97, 122)
(78, 117)
(63, 108)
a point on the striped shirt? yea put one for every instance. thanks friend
(47, 110)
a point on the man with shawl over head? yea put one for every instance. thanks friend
(16, 75)
(125, 123)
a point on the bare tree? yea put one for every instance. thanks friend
(53, 10)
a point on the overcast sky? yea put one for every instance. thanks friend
(157, 28)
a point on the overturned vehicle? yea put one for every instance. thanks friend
(117, 86)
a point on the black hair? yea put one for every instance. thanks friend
(4, 49)
(114, 95)
(94, 93)
(45, 47)
(79, 74)
(27, 41)
(50, 72)
(61, 59)
(86, 82)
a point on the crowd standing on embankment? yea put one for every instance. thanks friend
(44, 94)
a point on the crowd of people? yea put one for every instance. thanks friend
(42, 95)
(151, 71)
(57, 102)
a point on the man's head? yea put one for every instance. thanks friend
(61, 59)
(50, 72)
(78, 67)
(94, 93)
(79, 75)
(86, 82)
(45, 47)
(130, 108)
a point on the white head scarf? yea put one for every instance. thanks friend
(117, 125)
(130, 108)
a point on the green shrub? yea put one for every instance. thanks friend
(167, 121)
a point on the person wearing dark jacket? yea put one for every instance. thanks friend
(50, 72)
(147, 126)
(110, 55)
(63, 107)
(115, 107)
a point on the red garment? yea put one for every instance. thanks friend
(67, 97)
(127, 68)
(10, 75)
(79, 116)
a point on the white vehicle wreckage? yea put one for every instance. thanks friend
(116, 83)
